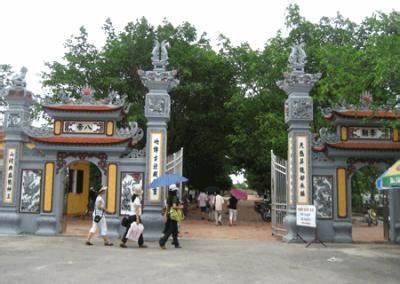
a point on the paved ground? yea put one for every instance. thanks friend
(32, 259)
(250, 227)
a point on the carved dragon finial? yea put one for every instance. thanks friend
(155, 53)
(160, 60)
(298, 57)
(18, 80)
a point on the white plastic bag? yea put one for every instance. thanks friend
(135, 231)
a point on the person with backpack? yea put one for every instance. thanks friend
(99, 219)
(134, 215)
(174, 215)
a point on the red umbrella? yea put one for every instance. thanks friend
(239, 194)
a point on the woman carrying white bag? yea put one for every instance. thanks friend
(134, 228)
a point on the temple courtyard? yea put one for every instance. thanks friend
(246, 253)
(34, 259)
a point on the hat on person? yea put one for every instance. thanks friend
(137, 191)
(173, 187)
(102, 189)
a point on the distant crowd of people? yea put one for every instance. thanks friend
(211, 206)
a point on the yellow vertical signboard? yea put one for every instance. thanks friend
(112, 188)
(341, 192)
(155, 163)
(48, 187)
(9, 176)
(302, 171)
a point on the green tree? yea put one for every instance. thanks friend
(351, 57)
(199, 120)
(5, 75)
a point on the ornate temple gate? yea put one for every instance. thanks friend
(84, 130)
(278, 194)
(320, 166)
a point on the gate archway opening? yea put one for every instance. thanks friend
(80, 182)
(365, 201)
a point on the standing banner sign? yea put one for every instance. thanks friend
(306, 216)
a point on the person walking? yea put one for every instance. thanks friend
(134, 215)
(171, 225)
(232, 205)
(202, 199)
(211, 206)
(99, 220)
(219, 202)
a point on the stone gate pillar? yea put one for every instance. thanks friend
(18, 100)
(157, 111)
(298, 115)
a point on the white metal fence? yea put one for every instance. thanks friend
(175, 165)
(278, 194)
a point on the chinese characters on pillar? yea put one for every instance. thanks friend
(290, 171)
(156, 163)
(9, 176)
(302, 169)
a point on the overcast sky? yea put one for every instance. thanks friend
(33, 32)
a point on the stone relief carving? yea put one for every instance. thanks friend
(301, 109)
(320, 157)
(366, 100)
(87, 98)
(43, 131)
(132, 131)
(325, 137)
(61, 156)
(299, 78)
(323, 196)
(157, 104)
(326, 111)
(136, 153)
(168, 77)
(14, 120)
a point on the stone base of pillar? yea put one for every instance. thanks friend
(342, 231)
(9, 223)
(113, 227)
(153, 222)
(47, 226)
(396, 233)
(290, 224)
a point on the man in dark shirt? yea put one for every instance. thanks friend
(232, 210)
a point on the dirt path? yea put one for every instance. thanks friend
(249, 227)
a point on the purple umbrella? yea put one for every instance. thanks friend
(239, 194)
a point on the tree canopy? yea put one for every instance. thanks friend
(199, 120)
(228, 112)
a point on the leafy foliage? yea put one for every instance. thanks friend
(363, 184)
(227, 112)
(199, 120)
(351, 57)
